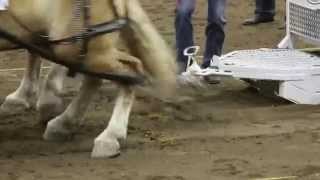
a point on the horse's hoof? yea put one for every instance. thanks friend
(57, 133)
(12, 107)
(106, 149)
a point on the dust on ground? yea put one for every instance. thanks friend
(227, 131)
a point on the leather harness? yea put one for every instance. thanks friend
(86, 32)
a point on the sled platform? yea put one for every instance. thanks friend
(296, 73)
(293, 74)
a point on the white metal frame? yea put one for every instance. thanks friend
(302, 13)
(297, 73)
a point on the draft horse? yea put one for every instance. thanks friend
(71, 33)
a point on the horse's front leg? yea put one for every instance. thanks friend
(63, 126)
(50, 103)
(107, 144)
(22, 98)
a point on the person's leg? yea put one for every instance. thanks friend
(265, 11)
(184, 30)
(215, 30)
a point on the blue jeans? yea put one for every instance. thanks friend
(265, 8)
(214, 30)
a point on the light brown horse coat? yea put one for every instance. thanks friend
(148, 56)
(149, 53)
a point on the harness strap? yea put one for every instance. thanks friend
(45, 53)
(94, 30)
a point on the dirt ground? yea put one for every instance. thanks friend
(225, 132)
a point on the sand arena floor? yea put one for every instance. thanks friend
(224, 132)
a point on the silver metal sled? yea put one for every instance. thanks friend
(296, 73)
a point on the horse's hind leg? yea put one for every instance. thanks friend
(63, 126)
(22, 98)
(107, 144)
(50, 103)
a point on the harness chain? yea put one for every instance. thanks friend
(81, 14)
(80, 25)
(86, 17)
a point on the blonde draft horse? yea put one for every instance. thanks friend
(149, 57)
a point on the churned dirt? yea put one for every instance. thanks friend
(224, 132)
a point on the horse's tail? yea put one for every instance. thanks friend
(147, 44)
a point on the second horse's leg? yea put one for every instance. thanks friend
(50, 103)
(63, 126)
(22, 98)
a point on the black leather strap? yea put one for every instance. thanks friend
(45, 52)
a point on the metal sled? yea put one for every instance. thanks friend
(296, 72)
